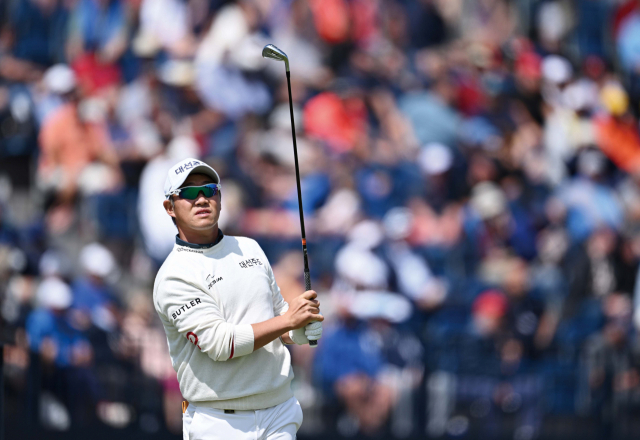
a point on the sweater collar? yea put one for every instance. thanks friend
(181, 242)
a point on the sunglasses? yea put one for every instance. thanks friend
(191, 192)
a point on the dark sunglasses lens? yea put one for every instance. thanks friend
(192, 192)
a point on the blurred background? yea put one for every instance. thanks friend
(470, 176)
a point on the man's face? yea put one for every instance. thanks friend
(199, 214)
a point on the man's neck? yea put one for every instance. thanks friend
(199, 237)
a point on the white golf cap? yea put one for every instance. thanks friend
(180, 171)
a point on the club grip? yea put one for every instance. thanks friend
(307, 286)
(307, 281)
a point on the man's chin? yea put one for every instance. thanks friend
(204, 224)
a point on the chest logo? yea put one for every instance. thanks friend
(212, 281)
(250, 262)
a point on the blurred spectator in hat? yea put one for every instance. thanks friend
(498, 226)
(92, 292)
(487, 330)
(557, 72)
(357, 265)
(48, 331)
(36, 35)
(58, 84)
(617, 129)
(58, 344)
(361, 365)
(412, 274)
(158, 232)
(76, 154)
(436, 162)
(589, 201)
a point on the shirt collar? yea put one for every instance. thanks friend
(219, 238)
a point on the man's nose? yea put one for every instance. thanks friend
(201, 199)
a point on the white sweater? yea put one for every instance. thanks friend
(207, 298)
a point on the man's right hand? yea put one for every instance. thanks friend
(303, 310)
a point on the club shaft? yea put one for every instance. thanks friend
(307, 276)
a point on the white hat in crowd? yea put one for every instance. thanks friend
(97, 260)
(361, 267)
(54, 294)
(435, 158)
(556, 69)
(60, 79)
(488, 199)
(381, 305)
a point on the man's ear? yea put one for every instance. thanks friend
(169, 208)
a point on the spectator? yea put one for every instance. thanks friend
(71, 139)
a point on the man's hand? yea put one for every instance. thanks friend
(303, 310)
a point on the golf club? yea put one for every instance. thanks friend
(271, 51)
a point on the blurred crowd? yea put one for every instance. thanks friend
(471, 183)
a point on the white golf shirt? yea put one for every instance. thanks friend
(207, 297)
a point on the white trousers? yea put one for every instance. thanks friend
(280, 422)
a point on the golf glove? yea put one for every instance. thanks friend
(312, 331)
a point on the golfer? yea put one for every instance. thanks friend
(226, 321)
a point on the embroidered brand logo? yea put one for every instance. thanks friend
(186, 249)
(250, 263)
(187, 166)
(213, 282)
(185, 307)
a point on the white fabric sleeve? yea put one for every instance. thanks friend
(196, 316)
(280, 306)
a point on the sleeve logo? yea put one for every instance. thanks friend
(186, 307)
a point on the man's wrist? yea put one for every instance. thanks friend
(286, 340)
(287, 326)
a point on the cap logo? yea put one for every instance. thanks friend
(187, 166)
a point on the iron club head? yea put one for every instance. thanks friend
(271, 51)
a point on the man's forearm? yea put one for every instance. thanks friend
(267, 331)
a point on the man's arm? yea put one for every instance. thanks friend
(302, 310)
(280, 304)
(197, 317)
